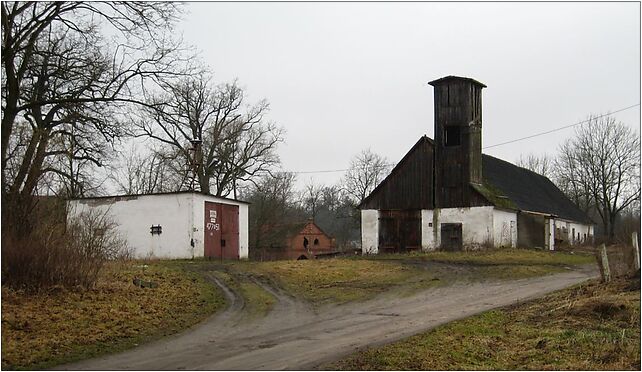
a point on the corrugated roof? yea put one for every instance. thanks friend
(528, 190)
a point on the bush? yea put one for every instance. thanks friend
(67, 254)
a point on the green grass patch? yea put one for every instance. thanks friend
(338, 280)
(257, 302)
(588, 327)
(59, 326)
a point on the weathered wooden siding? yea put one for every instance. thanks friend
(457, 105)
(530, 230)
(410, 184)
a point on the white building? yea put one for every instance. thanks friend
(175, 225)
(447, 194)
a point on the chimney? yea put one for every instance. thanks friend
(458, 123)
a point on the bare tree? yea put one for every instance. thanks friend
(601, 163)
(571, 177)
(272, 200)
(63, 84)
(540, 164)
(312, 197)
(144, 173)
(366, 171)
(211, 130)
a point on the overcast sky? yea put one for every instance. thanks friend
(342, 77)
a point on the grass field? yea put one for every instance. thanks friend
(498, 257)
(44, 329)
(257, 301)
(337, 280)
(588, 327)
(359, 278)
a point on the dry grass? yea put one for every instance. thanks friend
(503, 257)
(48, 328)
(340, 280)
(588, 327)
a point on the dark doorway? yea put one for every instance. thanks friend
(399, 231)
(451, 237)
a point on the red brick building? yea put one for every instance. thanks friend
(298, 241)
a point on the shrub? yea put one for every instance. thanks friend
(55, 253)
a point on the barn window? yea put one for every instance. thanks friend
(156, 230)
(316, 241)
(452, 136)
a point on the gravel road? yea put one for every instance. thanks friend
(295, 336)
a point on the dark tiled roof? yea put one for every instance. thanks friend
(528, 190)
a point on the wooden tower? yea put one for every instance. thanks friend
(458, 139)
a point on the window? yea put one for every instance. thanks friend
(452, 136)
(316, 241)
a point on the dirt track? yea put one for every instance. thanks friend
(294, 336)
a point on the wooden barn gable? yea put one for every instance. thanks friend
(410, 183)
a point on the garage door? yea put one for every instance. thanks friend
(221, 230)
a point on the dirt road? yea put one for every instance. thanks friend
(294, 336)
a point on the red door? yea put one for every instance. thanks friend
(230, 231)
(212, 229)
(221, 230)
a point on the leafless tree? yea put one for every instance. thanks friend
(312, 197)
(63, 83)
(272, 199)
(210, 129)
(367, 170)
(601, 163)
(140, 173)
(540, 164)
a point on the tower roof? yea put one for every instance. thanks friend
(452, 77)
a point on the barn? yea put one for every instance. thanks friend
(445, 194)
(175, 225)
(301, 240)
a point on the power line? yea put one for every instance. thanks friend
(324, 171)
(560, 128)
(496, 145)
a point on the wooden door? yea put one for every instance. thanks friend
(399, 231)
(230, 231)
(451, 237)
(212, 230)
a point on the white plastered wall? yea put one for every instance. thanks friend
(505, 228)
(585, 231)
(135, 215)
(477, 225)
(180, 216)
(369, 231)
